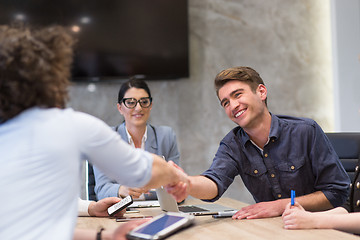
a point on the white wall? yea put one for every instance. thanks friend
(345, 16)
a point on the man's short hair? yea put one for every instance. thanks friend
(243, 74)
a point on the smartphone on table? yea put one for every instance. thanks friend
(161, 226)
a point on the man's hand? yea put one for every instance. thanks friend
(262, 210)
(179, 190)
(99, 209)
(197, 186)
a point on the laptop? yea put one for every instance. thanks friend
(169, 204)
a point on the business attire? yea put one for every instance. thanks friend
(41, 156)
(353, 202)
(161, 140)
(298, 156)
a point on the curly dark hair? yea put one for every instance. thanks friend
(34, 68)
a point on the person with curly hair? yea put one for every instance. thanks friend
(42, 142)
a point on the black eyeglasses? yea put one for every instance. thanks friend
(132, 102)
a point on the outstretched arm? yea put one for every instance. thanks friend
(295, 217)
(202, 187)
(199, 186)
(164, 173)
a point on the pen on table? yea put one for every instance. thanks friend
(224, 214)
(292, 197)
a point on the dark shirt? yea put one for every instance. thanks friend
(298, 156)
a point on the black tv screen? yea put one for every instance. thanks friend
(116, 38)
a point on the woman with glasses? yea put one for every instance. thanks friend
(135, 103)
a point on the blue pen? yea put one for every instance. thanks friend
(292, 197)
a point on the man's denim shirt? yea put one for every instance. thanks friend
(298, 156)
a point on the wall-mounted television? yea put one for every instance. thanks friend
(116, 38)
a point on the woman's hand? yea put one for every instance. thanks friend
(99, 208)
(134, 192)
(120, 232)
(295, 217)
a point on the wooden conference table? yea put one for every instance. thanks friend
(206, 227)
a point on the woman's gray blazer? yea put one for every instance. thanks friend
(161, 140)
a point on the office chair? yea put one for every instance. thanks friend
(91, 183)
(347, 147)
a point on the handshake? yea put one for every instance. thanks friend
(180, 187)
(177, 183)
(167, 174)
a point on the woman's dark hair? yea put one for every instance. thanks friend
(132, 83)
(34, 68)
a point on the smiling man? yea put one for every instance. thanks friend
(272, 154)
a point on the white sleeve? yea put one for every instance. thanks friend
(83, 206)
(105, 149)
